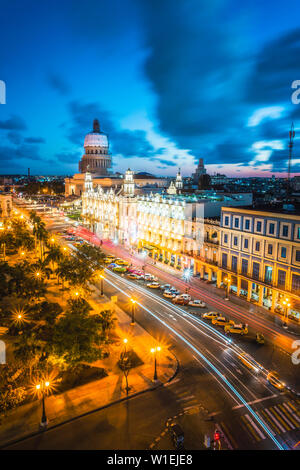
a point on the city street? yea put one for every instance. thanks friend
(213, 388)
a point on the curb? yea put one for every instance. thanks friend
(82, 415)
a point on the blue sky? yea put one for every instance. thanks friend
(170, 81)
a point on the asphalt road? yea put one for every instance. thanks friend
(213, 389)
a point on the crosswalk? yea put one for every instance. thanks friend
(279, 418)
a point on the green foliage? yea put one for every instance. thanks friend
(77, 336)
(11, 397)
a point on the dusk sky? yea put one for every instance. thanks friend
(169, 80)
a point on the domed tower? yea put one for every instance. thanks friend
(97, 157)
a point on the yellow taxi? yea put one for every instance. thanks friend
(249, 362)
(238, 329)
(121, 262)
(273, 379)
(222, 321)
(210, 315)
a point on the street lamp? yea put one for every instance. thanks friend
(133, 302)
(42, 388)
(101, 284)
(125, 341)
(286, 306)
(227, 280)
(154, 351)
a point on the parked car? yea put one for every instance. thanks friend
(120, 269)
(179, 300)
(210, 315)
(132, 276)
(174, 291)
(221, 321)
(153, 285)
(240, 329)
(177, 435)
(197, 303)
(168, 294)
(121, 262)
(165, 287)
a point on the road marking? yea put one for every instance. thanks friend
(259, 432)
(255, 401)
(228, 441)
(272, 424)
(186, 398)
(284, 417)
(291, 412)
(282, 429)
(253, 433)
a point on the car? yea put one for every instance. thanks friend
(240, 329)
(112, 265)
(197, 303)
(121, 262)
(247, 360)
(168, 294)
(132, 270)
(120, 269)
(210, 315)
(186, 297)
(153, 285)
(179, 300)
(273, 379)
(107, 260)
(150, 277)
(174, 291)
(132, 276)
(221, 321)
(165, 287)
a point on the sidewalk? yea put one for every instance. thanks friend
(24, 420)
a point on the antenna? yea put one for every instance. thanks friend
(291, 143)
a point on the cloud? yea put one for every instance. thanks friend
(13, 123)
(14, 137)
(69, 157)
(58, 84)
(128, 143)
(35, 140)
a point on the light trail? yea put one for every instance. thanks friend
(210, 364)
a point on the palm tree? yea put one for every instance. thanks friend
(107, 320)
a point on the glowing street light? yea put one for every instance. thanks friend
(187, 274)
(101, 284)
(228, 281)
(286, 306)
(42, 389)
(154, 351)
(133, 302)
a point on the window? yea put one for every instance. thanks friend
(224, 260)
(257, 246)
(271, 229)
(234, 263)
(270, 249)
(235, 241)
(244, 266)
(281, 277)
(298, 233)
(268, 274)
(246, 243)
(225, 238)
(258, 226)
(226, 220)
(285, 231)
(247, 224)
(296, 282)
(283, 252)
(255, 273)
(236, 223)
(298, 256)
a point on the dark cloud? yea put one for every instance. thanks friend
(69, 157)
(35, 140)
(124, 142)
(208, 82)
(14, 137)
(13, 123)
(164, 162)
(58, 84)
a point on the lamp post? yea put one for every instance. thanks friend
(154, 351)
(227, 280)
(42, 388)
(286, 306)
(133, 302)
(101, 284)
